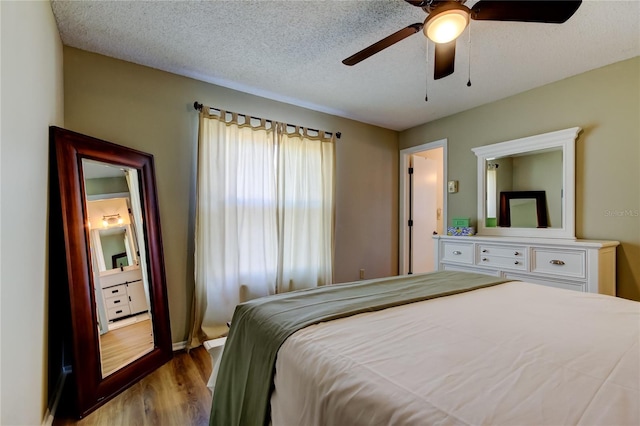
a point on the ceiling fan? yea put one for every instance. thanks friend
(447, 19)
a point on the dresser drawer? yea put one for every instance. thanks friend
(517, 263)
(560, 262)
(515, 252)
(463, 268)
(567, 285)
(117, 312)
(115, 302)
(118, 290)
(457, 252)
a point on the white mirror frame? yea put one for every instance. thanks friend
(564, 139)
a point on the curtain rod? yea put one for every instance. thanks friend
(198, 106)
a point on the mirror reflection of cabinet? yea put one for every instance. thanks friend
(538, 163)
(115, 280)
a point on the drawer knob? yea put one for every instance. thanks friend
(485, 250)
(516, 262)
(516, 254)
(556, 262)
(116, 301)
(484, 259)
(457, 252)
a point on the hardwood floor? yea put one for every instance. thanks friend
(121, 346)
(175, 394)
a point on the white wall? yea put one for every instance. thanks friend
(32, 99)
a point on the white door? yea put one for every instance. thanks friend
(137, 298)
(424, 206)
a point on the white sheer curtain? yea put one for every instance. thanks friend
(96, 245)
(305, 209)
(138, 226)
(236, 234)
(97, 261)
(129, 246)
(264, 216)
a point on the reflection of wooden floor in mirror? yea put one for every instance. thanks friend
(123, 345)
(175, 394)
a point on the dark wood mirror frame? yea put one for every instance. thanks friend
(505, 206)
(89, 389)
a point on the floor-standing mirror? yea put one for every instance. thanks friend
(119, 319)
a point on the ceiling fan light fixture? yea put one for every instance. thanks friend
(111, 220)
(446, 25)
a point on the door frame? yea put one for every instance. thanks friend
(403, 231)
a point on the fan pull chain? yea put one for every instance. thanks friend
(426, 80)
(469, 81)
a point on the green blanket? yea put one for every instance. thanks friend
(245, 380)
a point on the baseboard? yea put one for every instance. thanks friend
(50, 414)
(178, 346)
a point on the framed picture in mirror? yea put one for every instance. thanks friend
(119, 260)
(523, 209)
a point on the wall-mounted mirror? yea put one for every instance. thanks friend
(542, 164)
(119, 322)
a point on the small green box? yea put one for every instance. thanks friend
(460, 222)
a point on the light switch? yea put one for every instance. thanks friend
(453, 186)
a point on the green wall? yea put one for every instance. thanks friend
(605, 102)
(541, 172)
(152, 111)
(111, 245)
(106, 185)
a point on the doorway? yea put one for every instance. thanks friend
(423, 204)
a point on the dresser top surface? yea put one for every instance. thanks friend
(568, 243)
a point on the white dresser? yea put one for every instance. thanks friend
(582, 265)
(123, 293)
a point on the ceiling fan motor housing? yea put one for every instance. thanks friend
(431, 5)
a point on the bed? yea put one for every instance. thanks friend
(490, 352)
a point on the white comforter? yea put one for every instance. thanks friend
(513, 354)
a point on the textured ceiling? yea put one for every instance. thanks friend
(291, 51)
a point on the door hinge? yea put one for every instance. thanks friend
(410, 222)
(410, 170)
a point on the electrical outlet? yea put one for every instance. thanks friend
(453, 186)
(362, 274)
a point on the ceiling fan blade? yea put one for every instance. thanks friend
(445, 57)
(383, 44)
(550, 12)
